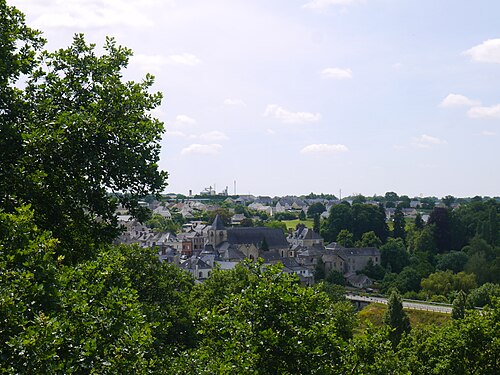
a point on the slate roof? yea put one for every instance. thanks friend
(364, 251)
(255, 235)
(218, 224)
(270, 256)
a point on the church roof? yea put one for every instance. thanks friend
(255, 235)
(218, 224)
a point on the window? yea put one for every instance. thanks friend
(200, 274)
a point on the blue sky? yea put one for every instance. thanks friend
(299, 96)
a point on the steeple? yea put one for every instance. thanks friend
(218, 224)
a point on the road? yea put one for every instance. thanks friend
(413, 305)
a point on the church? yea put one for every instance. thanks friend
(234, 244)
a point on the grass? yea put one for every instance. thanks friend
(374, 313)
(293, 223)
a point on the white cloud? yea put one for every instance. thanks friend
(187, 59)
(270, 131)
(487, 51)
(183, 120)
(288, 117)
(336, 73)
(234, 103)
(174, 133)
(457, 100)
(322, 4)
(85, 14)
(323, 148)
(427, 141)
(149, 62)
(214, 136)
(485, 112)
(488, 133)
(196, 148)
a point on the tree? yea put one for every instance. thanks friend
(396, 318)
(449, 200)
(440, 218)
(19, 45)
(399, 224)
(345, 238)
(271, 324)
(317, 223)
(369, 239)
(302, 215)
(459, 306)
(483, 295)
(87, 134)
(454, 260)
(316, 209)
(393, 255)
(340, 217)
(419, 223)
(335, 277)
(160, 223)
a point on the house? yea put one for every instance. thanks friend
(304, 236)
(236, 219)
(359, 281)
(350, 260)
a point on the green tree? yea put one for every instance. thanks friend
(440, 219)
(345, 238)
(87, 134)
(459, 306)
(393, 255)
(273, 325)
(483, 295)
(160, 223)
(335, 277)
(317, 223)
(396, 319)
(369, 239)
(454, 260)
(399, 224)
(316, 209)
(340, 217)
(302, 215)
(419, 223)
(19, 45)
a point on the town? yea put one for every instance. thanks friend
(201, 245)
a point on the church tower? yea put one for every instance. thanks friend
(217, 233)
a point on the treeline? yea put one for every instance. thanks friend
(456, 249)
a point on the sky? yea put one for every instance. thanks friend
(288, 97)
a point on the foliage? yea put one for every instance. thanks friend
(276, 225)
(335, 277)
(160, 223)
(396, 319)
(459, 306)
(271, 325)
(440, 219)
(454, 261)
(316, 209)
(87, 133)
(399, 224)
(444, 282)
(393, 255)
(483, 295)
(369, 239)
(345, 238)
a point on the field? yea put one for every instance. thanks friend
(374, 312)
(293, 223)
